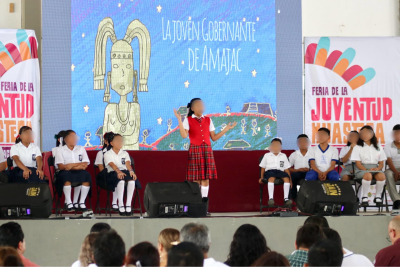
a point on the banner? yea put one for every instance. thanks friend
(350, 82)
(19, 85)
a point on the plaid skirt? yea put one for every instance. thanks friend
(201, 164)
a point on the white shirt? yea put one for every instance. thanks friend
(271, 162)
(27, 155)
(67, 156)
(299, 161)
(344, 152)
(368, 154)
(210, 262)
(54, 152)
(351, 259)
(118, 159)
(323, 159)
(99, 157)
(186, 123)
(2, 157)
(392, 152)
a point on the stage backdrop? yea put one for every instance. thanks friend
(19, 85)
(133, 62)
(350, 82)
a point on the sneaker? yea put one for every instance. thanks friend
(364, 202)
(271, 202)
(288, 202)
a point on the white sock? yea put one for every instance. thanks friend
(204, 191)
(379, 188)
(77, 190)
(120, 192)
(67, 193)
(84, 193)
(365, 187)
(286, 188)
(115, 197)
(129, 195)
(271, 187)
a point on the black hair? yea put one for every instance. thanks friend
(66, 133)
(185, 254)
(276, 140)
(272, 258)
(145, 253)
(308, 235)
(248, 245)
(325, 253)
(333, 236)
(109, 249)
(111, 138)
(319, 220)
(11, 235)
(323, 129)
(106, 138)
(374, 140)
(58, 136)
(189, 106)
(98, 227)
(348, 143)
(396, 127)
(21, 130)
(302, 135)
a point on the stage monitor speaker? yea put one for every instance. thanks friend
(327, 198)
(25, 200)
(174, 200)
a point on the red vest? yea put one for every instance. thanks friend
(199, 132)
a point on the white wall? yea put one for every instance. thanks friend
(10, 20)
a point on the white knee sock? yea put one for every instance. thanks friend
(204, 191)
(129, 194)
(115, 197)
(271, 187)
(67, 193)
(84, 193)
(120, 191)
(286, 188)
(77, 190)
(365, 187)
(379, 188)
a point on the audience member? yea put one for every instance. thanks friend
(98, 227)
(109, 249)
(247, 246)
(86, 254)
(185, 254)
(390, 256)
(307, 235)
(272, 259)
(199, 235)
(143, 254)
(11, 235)
(325, 253)
(9, 256)
(319, 220)
(166, 239)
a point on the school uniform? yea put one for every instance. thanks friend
(54, 152)
(298, 161)
(27, 155)
(100, 161)
(3, 174)
(323, 160)
(348, 166)
(392, 152)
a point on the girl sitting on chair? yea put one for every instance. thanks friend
(72, 161)
(119, 170)
(27, 159)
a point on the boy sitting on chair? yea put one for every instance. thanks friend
(276, 165)
(323, 159)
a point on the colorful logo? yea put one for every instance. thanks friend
(338, 62)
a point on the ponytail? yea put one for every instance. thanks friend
(58, 136)
(21, 130)
(106, 137)
(189, 106)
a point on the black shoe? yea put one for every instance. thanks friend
(364, 202)
(122, 211)
(114, 207)
(76, 207)
(396, 205)
(69, 207)
(271, 202)
(128, 213)
(82, 207)
(378, 203)
(288, 202)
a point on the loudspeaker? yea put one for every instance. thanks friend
(174, 200)
(25, 200)
(327, 198)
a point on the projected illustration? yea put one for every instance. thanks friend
(134, 61)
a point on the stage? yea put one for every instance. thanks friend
(57, 241)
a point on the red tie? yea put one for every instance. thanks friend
(199, 119)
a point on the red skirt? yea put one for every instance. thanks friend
(201, 164)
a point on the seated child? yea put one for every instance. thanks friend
(323, 159)
(275, 165)
(345, 155)
(299, 162)
(392, 152)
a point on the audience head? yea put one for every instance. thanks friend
(70, 138)
(58, 137)
(275, 146)
(195, 105)
(166, 239)
(352, 138)
(248, 244)
(101, 226)
(325, 253)
(319, 220)
(367, 134)
(144, 253)
(198, 234)
(302, 141)
(323, 135)
(185, 254)
(333, 235)
(24, 135)
(396, 133)
(9, 256)
(272, 259)
(308, 235)
(394, 229)
(86, 253)
(109, 249)
(11, 235)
